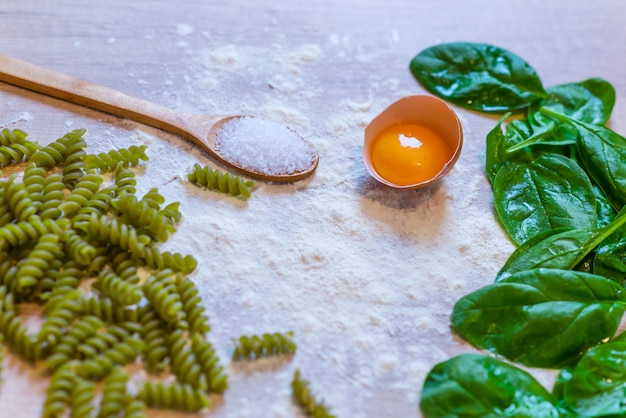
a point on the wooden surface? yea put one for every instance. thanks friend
(354, 53)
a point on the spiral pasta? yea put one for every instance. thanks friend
(14, 148)
(99, 204)
(108, 161)
(144, 217)
(20, 233)
(105, 309)
(174, 396)
(114, 394)
(17, 337)
(217, 181)
(60, 229)
(305, 398)
(6, 214)
(217, 380)
(33, 180)
(155, 259)
(73, 163)
(34, 266)
(59, 391)
(12, 136)
(106, 228)
(59, 315)
(197, 320)
(119, 354)
(55, 153)
(82, 398)
(79, 250)
(120, 291)
(67, 348)
(256, 346)
(124, 179)
(154, 333)
(134, 407)
(161, 291)
(85, 188)
(19, 200)
(53, 195)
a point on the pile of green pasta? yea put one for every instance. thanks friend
(87, 252)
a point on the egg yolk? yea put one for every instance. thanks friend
(409, 154)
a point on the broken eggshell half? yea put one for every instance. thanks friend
(427, 111)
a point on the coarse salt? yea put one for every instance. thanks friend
(263, 145)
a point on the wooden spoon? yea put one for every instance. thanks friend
(199, 129)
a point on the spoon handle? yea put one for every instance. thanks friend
(74, 90)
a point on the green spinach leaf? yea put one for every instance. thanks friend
(546, 132)
(597, 383)
(602, 153)
(478, 76)
(561, 248)
(589, 101)
(550, 192)
(542, 317)
(472, 385)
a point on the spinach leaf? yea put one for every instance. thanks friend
(602, 153)
(545, 131)
(542, 317)
(597, 383)
(561, 248)
(478, 76)
(550, 192)
(589, 101)
(495, 150)
(472, 385)
(500, 141)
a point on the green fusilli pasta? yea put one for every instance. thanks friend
(174, 396)
(114, 394)
(33, 180)
(183, 361)
(217, 181)
(67, 348)
(143, 217)
(197, 320)
(305, 398)
(19, 200)
(55, 153)
(59, 315)
(61, 228)
(73, 164)
(53, 195)
(105, 309)
(154, 332)
(257, 346)
(119, 354)
(12, 136)
(82, 398)
(108, 161)
(17, 337)
(120, 291)
(32, 268)
(124, 179)
(84, 190)
(59, 391)
(156, 259)
(217, 379)
(106, 228)
(161, 291)
(14, 148)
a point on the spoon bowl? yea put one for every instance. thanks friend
(201, 130)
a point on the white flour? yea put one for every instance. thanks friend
(365, 276)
